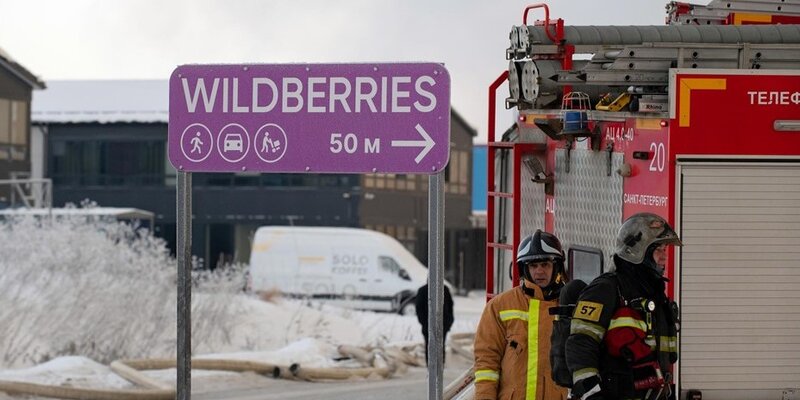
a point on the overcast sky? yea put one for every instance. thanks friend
(147, 39)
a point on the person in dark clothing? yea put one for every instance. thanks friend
(421, 303)
(623, 334)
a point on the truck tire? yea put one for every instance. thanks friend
(407, 307)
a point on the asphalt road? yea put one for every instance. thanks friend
(411, 385)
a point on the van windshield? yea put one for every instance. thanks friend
(388, 264)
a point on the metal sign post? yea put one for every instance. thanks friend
(435, 285)
(310, 118)
(184, 254)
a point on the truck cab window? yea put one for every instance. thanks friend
(390, 265)
(585, 263)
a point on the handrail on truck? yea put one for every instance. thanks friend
(551, 36)
(491, 183)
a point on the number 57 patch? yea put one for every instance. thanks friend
(588, 310)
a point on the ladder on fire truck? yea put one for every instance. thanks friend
(497, 241)
(494, 241)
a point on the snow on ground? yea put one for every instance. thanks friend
(75, 296)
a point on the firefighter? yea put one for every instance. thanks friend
(622, 341)
(512, 342)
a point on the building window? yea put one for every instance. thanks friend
(19, 114)
(463, 172)
(456, 173)
(5, 129)
(5, 121)
(390, 181)
(411, 233)
(401, 233)
(107, 163)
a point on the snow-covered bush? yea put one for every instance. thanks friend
(100, 289)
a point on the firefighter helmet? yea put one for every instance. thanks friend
(541, 246)
(641, 231)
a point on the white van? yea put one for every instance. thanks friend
(350, 267)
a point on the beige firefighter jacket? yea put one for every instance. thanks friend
(510, 363)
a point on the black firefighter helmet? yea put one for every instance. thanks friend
(541, 246)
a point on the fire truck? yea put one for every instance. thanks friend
(698, 121)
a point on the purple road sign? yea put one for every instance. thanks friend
(334, 118)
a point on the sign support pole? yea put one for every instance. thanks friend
(184, 239)
(435, 285)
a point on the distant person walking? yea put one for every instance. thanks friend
(421, 303)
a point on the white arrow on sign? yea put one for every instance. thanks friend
(426, 143)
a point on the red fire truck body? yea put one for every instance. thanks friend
(720, 160)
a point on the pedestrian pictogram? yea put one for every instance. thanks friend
(196, 142)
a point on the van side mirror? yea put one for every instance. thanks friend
(403, 274)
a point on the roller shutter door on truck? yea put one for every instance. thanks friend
(739, 279)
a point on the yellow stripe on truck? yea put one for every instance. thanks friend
(742, 18)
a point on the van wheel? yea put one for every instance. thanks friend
(407, 307)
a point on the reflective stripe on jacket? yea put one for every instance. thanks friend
(510, 363)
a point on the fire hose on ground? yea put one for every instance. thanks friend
(152, 389)
(380, 363)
